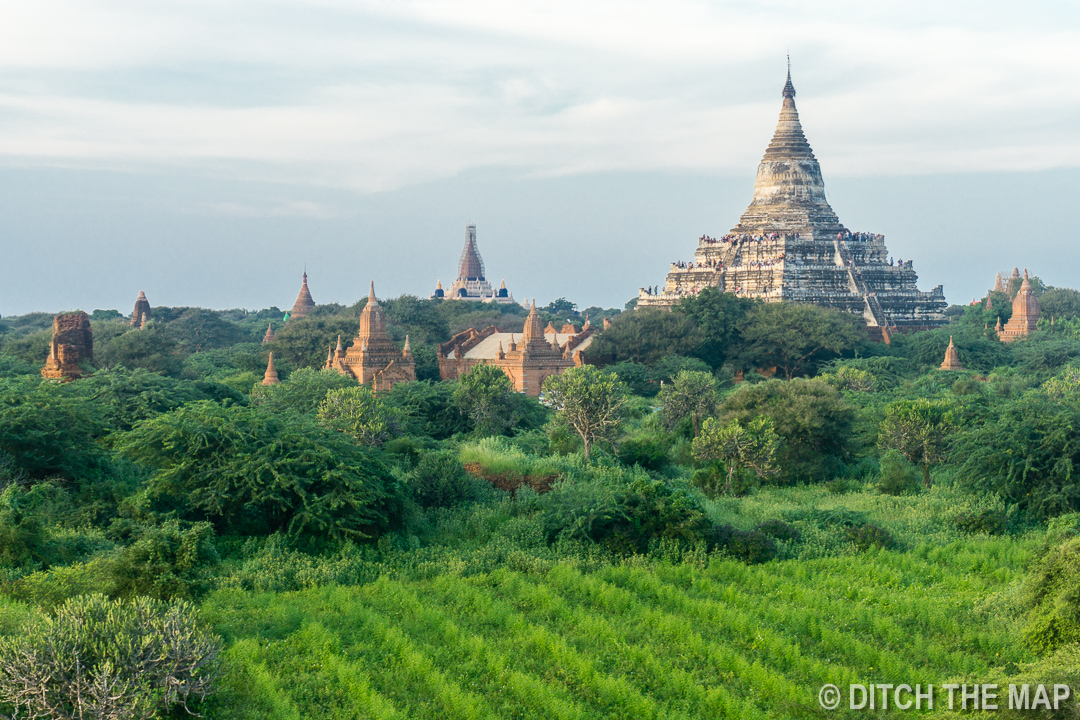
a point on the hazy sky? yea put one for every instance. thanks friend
(205, 151)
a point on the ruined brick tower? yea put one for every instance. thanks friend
(789, 245)
(72, 343)
(373, 359)
(141, 314)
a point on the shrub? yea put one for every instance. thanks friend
(440, 480)
(165, 562)
(109, 660)
(356, 411)
(779, 530)
(898, 476)
(250, 471)
(648, 451)
(622, 509)
(991, 522)
(429, 408)
(869, 535)
(1052, 594)
(750, 546)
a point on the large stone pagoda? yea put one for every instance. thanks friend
(471, 283)
(789, 245)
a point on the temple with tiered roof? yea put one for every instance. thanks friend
(790, 246)
(471, 283)
(373, 359)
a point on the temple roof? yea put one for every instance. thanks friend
(789, 193)
(470, 266)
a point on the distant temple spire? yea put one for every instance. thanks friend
(304, 303)
(269, 336)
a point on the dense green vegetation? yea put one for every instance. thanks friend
(734, 504)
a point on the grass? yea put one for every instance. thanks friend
(638, 639)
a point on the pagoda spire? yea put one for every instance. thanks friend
(789, 89)
(304, 302)
(270, 377)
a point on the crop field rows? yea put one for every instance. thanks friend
(623, 642)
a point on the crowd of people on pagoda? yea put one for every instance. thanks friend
(860, 236)
(732, 239)
(714, 264)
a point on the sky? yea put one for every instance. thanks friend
(207, 152)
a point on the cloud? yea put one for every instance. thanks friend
(377, 95)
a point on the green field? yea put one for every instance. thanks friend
(636, 640)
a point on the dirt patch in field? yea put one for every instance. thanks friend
(511, 481)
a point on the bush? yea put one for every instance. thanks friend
(648, 451)
(622, 509)
(991, 522)
(109, 659)
(869, 535)
(253, 472)
(750, 546)
(1052, 594)
(165, 562)
(779, 530)
(440, 480)
(898, 476)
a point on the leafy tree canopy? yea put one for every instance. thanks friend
(811, 416)
(253, 472)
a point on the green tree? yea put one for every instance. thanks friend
(253, 472)
(303, 342)
(692, 394)
(356, 411)
(646, 336)
(795, 337)
(812, 416)
(109, 659)
(1060, 303)
(751, 447)
(1027, 453)
(302, 392)
(429, 408)
(152, 348)
(589, 402)
(920, 430)
(486, 397)
(717, 315)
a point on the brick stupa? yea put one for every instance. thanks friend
(373, 359)
(952, 358)
(141, 314)
(270, 377)
(304, 303)
(790, 246)
(1025, 313)
(72, 344)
